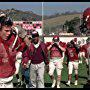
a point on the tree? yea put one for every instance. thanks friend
(73, 26)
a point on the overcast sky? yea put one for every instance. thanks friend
(48, 7)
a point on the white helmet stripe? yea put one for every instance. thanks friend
(87, 18)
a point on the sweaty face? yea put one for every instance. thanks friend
(5, 32)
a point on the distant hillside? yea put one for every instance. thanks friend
(60, 19)
(22, 15)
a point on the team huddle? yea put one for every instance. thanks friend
(33, 55)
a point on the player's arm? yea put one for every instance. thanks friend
(18, 61)
(62, 47)
(26, 59)
(49, 45)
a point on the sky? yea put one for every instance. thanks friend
(48, 8)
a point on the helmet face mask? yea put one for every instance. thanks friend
(79, 42)
(70, 45)
(56, 38)
(88, 40)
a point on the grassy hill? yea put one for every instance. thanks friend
(29, 15)
(60, 19)
(19, 15)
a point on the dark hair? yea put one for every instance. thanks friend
(35, 34)
(56, 40)
(5, 21)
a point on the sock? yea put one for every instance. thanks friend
(58, 83)
(54, 80)
(53, 83)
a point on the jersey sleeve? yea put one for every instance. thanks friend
(25, 57)
(48, 44)
(21, 45)
(63, 44)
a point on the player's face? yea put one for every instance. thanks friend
(5, 32)
(70, 45)
(35, 40)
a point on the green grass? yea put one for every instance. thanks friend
(81, 82)
(82, 77)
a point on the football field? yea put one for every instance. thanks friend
(81, 82)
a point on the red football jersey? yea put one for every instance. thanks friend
(7, 60)
(71, 54)
(8, 56)
(54, 52)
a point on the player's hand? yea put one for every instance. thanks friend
(66, 63)
(24, 66)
